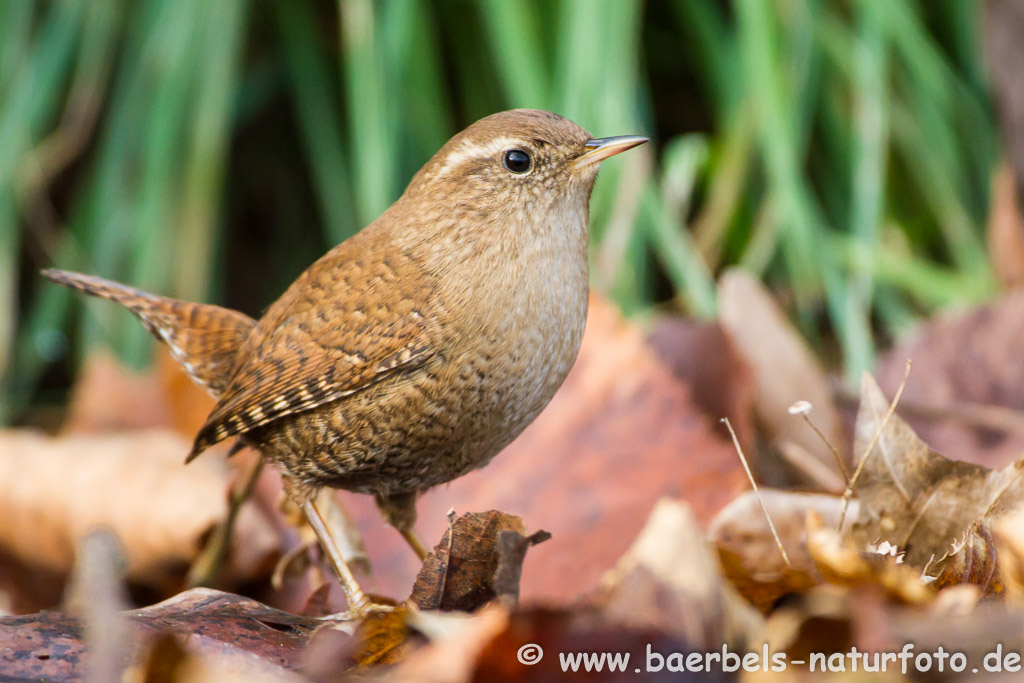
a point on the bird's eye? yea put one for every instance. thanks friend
(517, 161)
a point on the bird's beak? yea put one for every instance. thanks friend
(602, 148)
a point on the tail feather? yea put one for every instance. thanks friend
(204, 339)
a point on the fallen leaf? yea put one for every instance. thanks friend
(705, 359)
(965, 396)
(914, 498)
(239, 635)
(670, 581)
(459, 573)
(55, 490)
(748, 551)
(665, 598)
(381, 639)
(453, 657)
(785, 369)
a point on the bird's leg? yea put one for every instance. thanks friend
(358, 603)
(399, 510)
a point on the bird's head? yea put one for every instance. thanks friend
(515, 160)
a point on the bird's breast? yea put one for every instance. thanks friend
(522, 328)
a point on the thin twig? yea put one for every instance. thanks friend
(743, 459)
(871, 446)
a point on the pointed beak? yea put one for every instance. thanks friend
(602, 148)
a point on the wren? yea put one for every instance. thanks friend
(416, 350)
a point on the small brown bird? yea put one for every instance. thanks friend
(416, 350)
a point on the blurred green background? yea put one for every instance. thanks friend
(211, 150)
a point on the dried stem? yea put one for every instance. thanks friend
(871, 446)
(764, 509)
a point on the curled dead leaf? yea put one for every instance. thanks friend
(459, 573)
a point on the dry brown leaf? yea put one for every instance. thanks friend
(705, 359)
(54, 490)
(453, 656)
(235, 636)
(666, 594)
(965, 396)
(459, 573)
(917, 500)
(748, 551)
(381, 639)
(785, 369)
(670, 580)
(621, 432)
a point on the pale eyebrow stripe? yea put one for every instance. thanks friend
(474, 150)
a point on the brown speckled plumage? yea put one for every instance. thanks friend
(415, 351)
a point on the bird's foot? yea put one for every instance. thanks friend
(358, 615)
